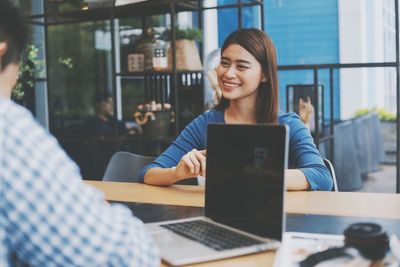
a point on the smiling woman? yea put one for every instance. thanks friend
(249, 57)
(247, 75)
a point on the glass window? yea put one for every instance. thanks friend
(289, 80)
(79, 66)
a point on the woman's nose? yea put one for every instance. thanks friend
(230, 72)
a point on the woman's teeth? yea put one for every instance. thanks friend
(231, 85)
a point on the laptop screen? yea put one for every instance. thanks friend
(245, 177)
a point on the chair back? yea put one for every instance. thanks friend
(125, 167)
(329, 165)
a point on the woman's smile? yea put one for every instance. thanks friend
(230, 86)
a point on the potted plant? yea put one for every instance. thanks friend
(187, 54)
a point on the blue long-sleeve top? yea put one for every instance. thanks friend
(303, 154)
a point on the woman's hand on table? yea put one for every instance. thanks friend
(192, 164)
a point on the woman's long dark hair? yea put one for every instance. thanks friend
(260, 45)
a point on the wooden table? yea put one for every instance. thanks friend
(371, 205)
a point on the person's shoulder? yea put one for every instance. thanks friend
(18, 120)
(293, 121)
(10, 111)
(288, 118)
(5, 104)
(213, 115)
(201, 122)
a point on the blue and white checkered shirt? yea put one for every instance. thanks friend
(48, 216)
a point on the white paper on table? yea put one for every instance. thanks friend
(296, 247)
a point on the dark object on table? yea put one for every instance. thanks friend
(369, 238)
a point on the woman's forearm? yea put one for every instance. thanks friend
(296, 180)
(161, 176)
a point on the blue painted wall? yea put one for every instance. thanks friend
(304, 32)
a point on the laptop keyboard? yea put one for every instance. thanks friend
(211, 235)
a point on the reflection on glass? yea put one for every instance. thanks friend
(79, 62)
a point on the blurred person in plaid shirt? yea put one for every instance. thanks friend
(48, 216)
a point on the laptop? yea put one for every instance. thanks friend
(244, 198)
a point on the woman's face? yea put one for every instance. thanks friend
(239, 73)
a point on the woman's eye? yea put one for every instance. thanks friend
(242, 67)
(224, 63)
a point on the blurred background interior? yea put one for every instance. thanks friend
(105, 76)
